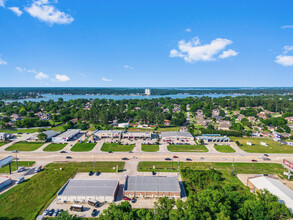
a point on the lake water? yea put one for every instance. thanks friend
(48, 97)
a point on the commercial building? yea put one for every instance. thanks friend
(135, 135)
(123, 125)
(4, 181)
(213, 138)
(176, 135)
(100, 134)
(66, 136)
(4, 136)
(80, 191)
(152, 187)
(274, 186)
(147, 91)
(50, 134)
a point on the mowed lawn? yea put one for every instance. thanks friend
(79, 147)
(115, 147)
(187, 148)
(273, 147)
(28, 199)
(241, 168)
(25, 146)
(224, 148)
(54, 147)
(169, 129)
(3, 143)
(150, 148)
(14, 168)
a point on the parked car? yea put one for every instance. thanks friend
(254, 161)
(175, 157)
(130, 151)
(46, 212)
(202, 158)
(20, 169)
(125, 158)
(98, 173)
(133, 200)
(38, 169)
(56, 212)
(20, 180)
(168, 158)
(154, 173)
(94, 213)
(110, 151)
(188, 159)
(266, 155)
(126, 198)
(51, 212)
(91, 173)
(68, 157)
(63, 152)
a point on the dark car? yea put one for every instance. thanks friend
(91, 173)
(126, 198)
(110, 152)
(254, 161)
(188, 159)
(94, 213)
(154, 173)
(125, 158)
(266, 155)
(130, 151)
(98, 173)
(51, 212)
(68, 157)
(62, 152)
(175, 156)
(168, 158)
(133, 200)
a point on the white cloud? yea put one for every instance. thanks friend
(128, 67)
(32, 71)
(188, 30)
(284, 60)
(41, 75)
(107, 80)
(20, 69)
(287, 26)
(287, 49)
(62, 78)
(192, 51)
(42, 10)
(2, 3)
(2, 62)
(16, 10)
(228, 53)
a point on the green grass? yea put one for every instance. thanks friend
(115, 147)
(168, 129)
(187, 148)
(150, 148)
(25, 146)
(30, 130)
(224, 148)
(241, 168)
(54, 147)
(3, 143)
(79, 147)
(13, 166)
(273, 147)
(26, 200)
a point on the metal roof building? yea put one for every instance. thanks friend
(66, 136)
(274, 186)
(213, 138)
(130, 134)
(4, 181)
(84, 190)
(152, 186)
(171, 135)
(50, 134)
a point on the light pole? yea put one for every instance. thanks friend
(16, 159)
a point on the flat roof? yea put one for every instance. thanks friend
(4, 179)
(68, 133)
(108, 131)
(5, 161)
(89, 188)
(176, 134)
(50, 133)
(274, 186)
(152, 184)
(137, 132)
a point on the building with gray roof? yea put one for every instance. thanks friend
(83, 190)
(66, 136)
(100, 134)
(152, 186)
(176, 135)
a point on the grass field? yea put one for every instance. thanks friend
(187, 148)
(54, 147)
(13, 166)
(30, 130)
(115, 147)
(25, 201)
(25, 146)
(168, 129)
(224, 148)
(79, 147)
(150, 148)
(243, 168)
(3, 143)
(273, 147)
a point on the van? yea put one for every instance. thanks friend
(94, 203)
(77, 208)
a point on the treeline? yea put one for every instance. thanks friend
(222, 132)
(17, 92)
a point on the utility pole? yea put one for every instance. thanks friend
(94, 164)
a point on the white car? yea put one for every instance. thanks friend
(20, 169)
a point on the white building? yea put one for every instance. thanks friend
(83, 190)
(147, 91)
(130, 135)
(123, 125)
(100, 134)
(66, 136)
(176, 135)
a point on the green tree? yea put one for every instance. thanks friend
(42, 136)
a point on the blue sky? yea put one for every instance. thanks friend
(146, 43)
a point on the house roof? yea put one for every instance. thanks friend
(165, 134)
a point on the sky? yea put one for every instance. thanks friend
(146, 43)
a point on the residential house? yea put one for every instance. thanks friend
(225, 125)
